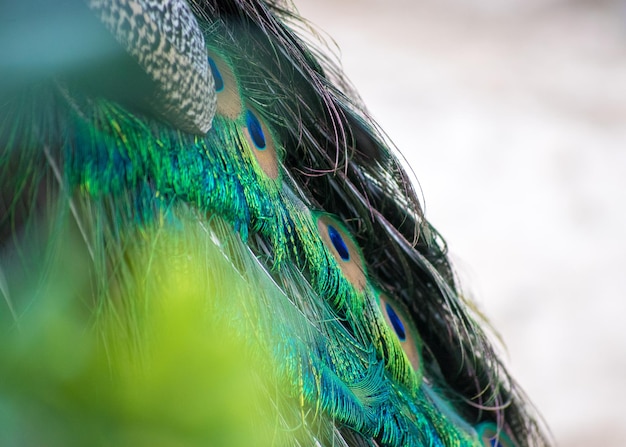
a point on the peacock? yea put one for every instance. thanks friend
(206, 241)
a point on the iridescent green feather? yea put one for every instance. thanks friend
(173, 243)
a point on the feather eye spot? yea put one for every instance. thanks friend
(343, 249)
(229, 102)
(396, 322)
(217, 76)
(404, 329)
(261, 143)
(338, 243)
(256, 131)
(492, 436)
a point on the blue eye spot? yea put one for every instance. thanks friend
(256, 132)
(217, 76)
(338, 243)
(396, 322)
(495, 443)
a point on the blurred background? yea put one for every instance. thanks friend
(512, 114)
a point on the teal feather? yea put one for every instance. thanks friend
(151, 207)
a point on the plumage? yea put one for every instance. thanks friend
(234, 249)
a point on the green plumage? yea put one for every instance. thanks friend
(275, 234)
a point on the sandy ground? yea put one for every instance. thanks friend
(512, 115)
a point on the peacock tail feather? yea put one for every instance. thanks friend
(205, 240)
